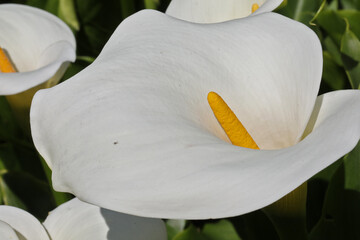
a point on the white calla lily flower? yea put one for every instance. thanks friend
(39, 46)
(76, 220)
(134, 133)
(213, 11)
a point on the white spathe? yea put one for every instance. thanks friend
(7, 232)
(39, 44)
(213, 11)
(76, 220)
(134, 133)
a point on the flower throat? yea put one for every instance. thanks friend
(5, 63)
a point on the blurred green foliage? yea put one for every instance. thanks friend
(333, 207)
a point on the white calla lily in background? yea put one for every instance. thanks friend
(76, 220)
(213, 11)
(39, 45)
(134, 132)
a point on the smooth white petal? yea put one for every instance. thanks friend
(213, 11)
(134, 133)
(7, 232)
(328, 105)
(25, 224)
(39, 44)
(76, 220)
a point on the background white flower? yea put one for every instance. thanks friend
(212, 11)
(76, 220)
(40, 46)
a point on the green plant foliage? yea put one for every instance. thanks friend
(191, 233)
(333, 24)
(22, 190)
(222, 230)
(8, 197)
(333, 74)
(341, 29)
(351, 4)
(301, 10)
(350, 48)
(174, 227)
(352, 18)
(151, 4)
(341, 213)
(64, 9)
(9, 128)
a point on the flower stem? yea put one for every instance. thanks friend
(289, 214)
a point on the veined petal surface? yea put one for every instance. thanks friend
(25, 224)
(213, 11)
(136, 134)
(39, 44)
(76, 220)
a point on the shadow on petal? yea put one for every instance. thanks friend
(124, 226)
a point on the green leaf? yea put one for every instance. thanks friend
(127, 8)
(8, 197)
(52, 6)
(333, 75)
(223, 230)
(67, 13)
(89, 10)
(352, 4)
(151, 4)
(25, 191)
(328, 173)
(191, 233)
(352, 169)
(247, 226)
(98, 21)
(352, 68)
(282, 5)
(317, 188)
(37, 3)
(350, 44)
(353, 18)
(8, 127)
(333, 50)
(97, 37)
(333, 24)
(311, 22)
(174, 227)
(176, 224)
(334, 5)
(86, 59)
(301, 10)
(74, 68)
(350, 49)
(171, 232)
(341, 213)
(64, 9)
(8, 159)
